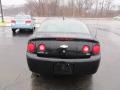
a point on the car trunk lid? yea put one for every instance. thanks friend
(63, 45)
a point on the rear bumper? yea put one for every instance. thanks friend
(22, 27)
(43, 66)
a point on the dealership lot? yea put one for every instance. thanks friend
(15, 75)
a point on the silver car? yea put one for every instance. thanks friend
(22, 22)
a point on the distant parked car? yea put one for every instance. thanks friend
(116, 18)
(23, 22)
(63, 47)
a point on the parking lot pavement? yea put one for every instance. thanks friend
(15, 75)
(106, 25)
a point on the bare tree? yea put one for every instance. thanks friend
(96, 7)
(80, 4)
(71, 6)
(84, 8)
(102, 7)
(108, 7)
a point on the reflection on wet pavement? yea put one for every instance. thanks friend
(62, 83)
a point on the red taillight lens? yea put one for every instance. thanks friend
(96, 49)
(42, 47)
(85, 49)
(28, 21)
(31, 47)
(13, 21)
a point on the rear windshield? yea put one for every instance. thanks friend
(23, 17)
(64, 27)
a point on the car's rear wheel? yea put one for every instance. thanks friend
(35, 75)
(14, 31)
(34, 28)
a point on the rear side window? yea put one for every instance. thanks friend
(64, 27)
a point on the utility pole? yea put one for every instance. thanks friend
(2, 17)
(63, 12)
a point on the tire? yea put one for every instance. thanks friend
(35, 75)
(14, 31)
(34, 28)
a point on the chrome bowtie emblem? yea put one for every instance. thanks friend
(64, 51)
(64, 46)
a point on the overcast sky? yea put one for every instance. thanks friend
(19, 2)
(13, 2)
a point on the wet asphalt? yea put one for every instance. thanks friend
(15, 75)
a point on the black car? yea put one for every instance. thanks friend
(63, 47)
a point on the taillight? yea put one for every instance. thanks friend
(96, 49)
(28, 21)
(85, 49)
(42, 48)
(31, 47)
(13, 21)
